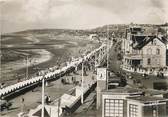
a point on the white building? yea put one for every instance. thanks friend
(114, 101)
(129, 102)
(146, 106)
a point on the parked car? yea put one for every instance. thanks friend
(5, 104)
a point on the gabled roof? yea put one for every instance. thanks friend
(142, 41)
(138, 39)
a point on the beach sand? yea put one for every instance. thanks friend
(46, 54)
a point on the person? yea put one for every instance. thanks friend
(22, 106)
(49, 99)
(18, 80)
(23, 100)
(46, 98)
(2, 85)
(72, 79)
(46, 84)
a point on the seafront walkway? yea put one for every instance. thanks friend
(68, 101)
(98, 53)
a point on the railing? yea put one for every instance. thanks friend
(66, 100)
(148, 71)
(12, 88)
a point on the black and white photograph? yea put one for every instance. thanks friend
(83, 58)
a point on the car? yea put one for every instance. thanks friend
(5, 104)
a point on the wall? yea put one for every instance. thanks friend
(156, 60)
(139, 108)
(160, 109)
(114, 96)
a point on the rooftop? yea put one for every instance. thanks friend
(123, 90)
(145, 40)
(145, 99)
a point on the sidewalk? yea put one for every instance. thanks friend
(66, 99)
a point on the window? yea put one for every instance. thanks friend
(113, 108)
(133, 110)
(157, 51)
(149, 51)
(149, 61)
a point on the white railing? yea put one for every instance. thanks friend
(50, 74)
(143, 71)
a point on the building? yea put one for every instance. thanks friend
(146, 106)
(114, 101)
(143, 51)
(130, 102)
(94, 37)
(127, 101)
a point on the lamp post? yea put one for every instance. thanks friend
(82, 85)
(27, 69)
(107, 55)
(59, 102)
(42, 111)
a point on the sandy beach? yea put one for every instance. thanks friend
(43, 53)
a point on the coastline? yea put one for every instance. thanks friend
(47, 57)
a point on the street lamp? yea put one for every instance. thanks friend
(43, 106)
(82, 85)
(27, 65)
(107, 55)
(27, 69)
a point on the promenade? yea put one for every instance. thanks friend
(56, 88)
(99, 52)
(66, 98)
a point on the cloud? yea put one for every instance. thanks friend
(165, 10)
(80, 16)
(23, 14)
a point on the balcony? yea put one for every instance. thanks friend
(133, 56)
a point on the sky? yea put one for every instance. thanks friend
(17, 15)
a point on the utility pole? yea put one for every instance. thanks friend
(27, 69)
(82, 85)
(107, 54)
(42, 111)
(95, 62)
(59, 102)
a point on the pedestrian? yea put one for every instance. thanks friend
(45, 98)
(18, 80)
(46, 84)
(72, 79)
(22, 102)
(49, 99)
